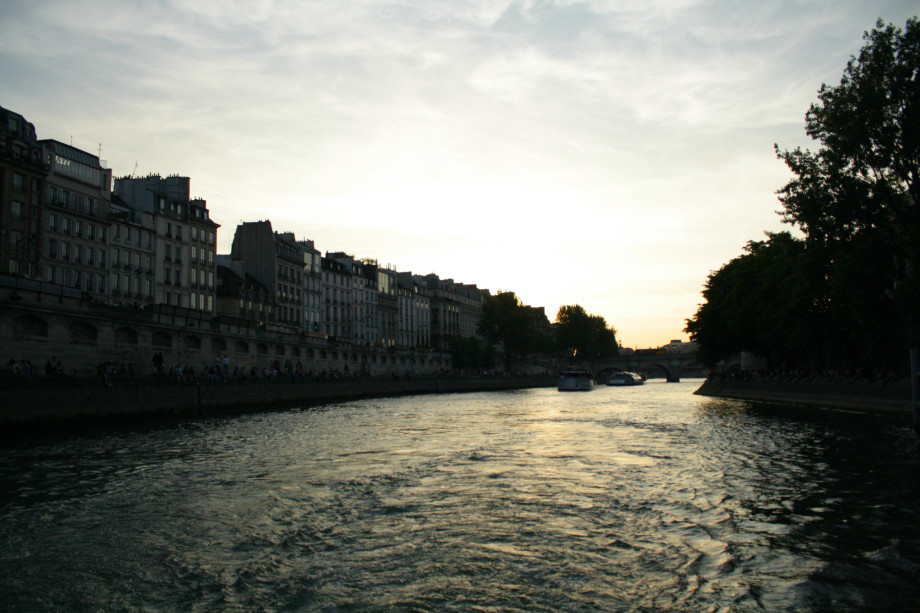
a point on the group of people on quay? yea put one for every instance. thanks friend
(220, 371)
(858, 375)
(53, 366)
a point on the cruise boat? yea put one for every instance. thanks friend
(576, 381)
(626, 378)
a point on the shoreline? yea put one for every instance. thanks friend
(891, 398)
(43, 402)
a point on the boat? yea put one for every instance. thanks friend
(576, 381)
(626, 378)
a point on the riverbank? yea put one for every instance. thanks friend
(43, 401)
(841, 394)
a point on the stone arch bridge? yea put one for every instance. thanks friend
(671, 364)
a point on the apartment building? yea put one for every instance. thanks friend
(186, 238)
(77, 217)
(132, 244)
(276, 261)
(388, 305)
(456, 309)
(22, 175)
(414, 312)
(312, 289)
(241, 297)
(338, 298)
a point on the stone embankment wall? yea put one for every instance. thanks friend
(42, 400)
(844, 394)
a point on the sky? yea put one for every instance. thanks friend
(610, 154)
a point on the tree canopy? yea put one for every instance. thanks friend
(508, 323)
(580, 334)
(846, 290)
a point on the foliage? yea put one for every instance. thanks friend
(761, 302)
(582, 335)
(841, 295)
(507, 323)
(470, 353)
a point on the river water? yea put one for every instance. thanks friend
(619, 499)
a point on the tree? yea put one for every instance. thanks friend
(858, 194)
(845, 293)
(762, 302)
(583, 335)
(508, 323)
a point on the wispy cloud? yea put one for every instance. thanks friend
(506, 143)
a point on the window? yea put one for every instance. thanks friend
(19, 182)
(52, 221)
(15, 239)
(14, 267)
(17, 209)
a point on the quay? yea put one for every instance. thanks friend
(40, 401)
(840, 393)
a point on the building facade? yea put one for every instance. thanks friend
(77, 217)
(22, 175)
(186, 239)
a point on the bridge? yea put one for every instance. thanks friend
(672, 364)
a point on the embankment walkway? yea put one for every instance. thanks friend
(852, 394)
(40, 400)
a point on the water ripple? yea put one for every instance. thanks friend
(521, 501)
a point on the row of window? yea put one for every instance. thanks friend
(75, 252)
(78, 228)
(198, 278)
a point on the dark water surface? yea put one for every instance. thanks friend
(620, 499)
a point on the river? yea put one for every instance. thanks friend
(619, 499)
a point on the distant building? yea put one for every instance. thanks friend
(456, 309)
(312, 288)
(22, 176)
(241, 298)
(276, 261)
(132, 245)
(414, 313)
(186, 239)
(77, 216)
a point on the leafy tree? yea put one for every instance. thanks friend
(508, 323)
(583, 335)
(844, 293)
(761, 302)
(471, 354)
(859, 191)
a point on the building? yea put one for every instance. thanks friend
(388, 305)
(22, 175)
(312, 289)
(132, 244)
(241, 299)
(338, 298)
(186, 238)
(414, 313)
(276, 261)
(456, 309)
(77, 216)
